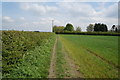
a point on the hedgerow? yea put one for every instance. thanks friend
(23, 51)
(89, 33)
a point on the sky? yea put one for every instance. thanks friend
(38, 16)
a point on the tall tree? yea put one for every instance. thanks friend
(119, 28)
(90, 28)
(69, 27)
(113, 27)
(100, 27)
(58, 28)
(105, 28)
(78, 29)
(116, 30)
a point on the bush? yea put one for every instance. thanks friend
(16, 44)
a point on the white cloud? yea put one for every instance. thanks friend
(90, 1)
(60, 0)
(38, 9)
(79, 14)
(7, 19)
(77, 9)
(111, 11)
(22, 18)
(82, 14)
(47, 21)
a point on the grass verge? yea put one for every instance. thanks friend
(61, 66)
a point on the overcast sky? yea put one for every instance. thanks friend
(39, 15)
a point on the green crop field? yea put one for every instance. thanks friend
(96, 56)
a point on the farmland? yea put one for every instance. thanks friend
(96, 56)
(28, 54)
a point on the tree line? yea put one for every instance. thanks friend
(97, 27)
(68, 27)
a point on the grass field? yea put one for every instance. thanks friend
(97, 56)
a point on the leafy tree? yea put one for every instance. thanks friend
(113, 27)
(58, 28)
(54, 28)
(100, 27)
(90, 28)
(116, 30)
(96, 27)
(105, 28)
(78, 29)
(119, 28)
(69, 27)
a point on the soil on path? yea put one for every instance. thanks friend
(73, 68)
(53, 62)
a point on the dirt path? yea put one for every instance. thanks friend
(53, 62)
(73, 68)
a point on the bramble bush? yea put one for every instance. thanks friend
(16, 45)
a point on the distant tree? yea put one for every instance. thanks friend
(54, 28)
(105, 28)
(90, 28)
(100, 27)
(69, 27)
(58, 28)
(78, 29)
(116, 30)
(113, 28)
(96, 27)
(119, 28)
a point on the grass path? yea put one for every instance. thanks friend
(73, 68)
(53, 62)
(62, 66)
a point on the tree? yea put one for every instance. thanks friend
(113, 28)
(90, 28)
(100, 27)
(97, 27)
(69, 27)
(105, 28)
(78, 29)
(58, 28)
(116, 30)
(119, 28)
(54, 28)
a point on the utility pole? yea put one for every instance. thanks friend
(52, 24)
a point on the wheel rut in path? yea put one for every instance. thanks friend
(73, 68)
(53, 62)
